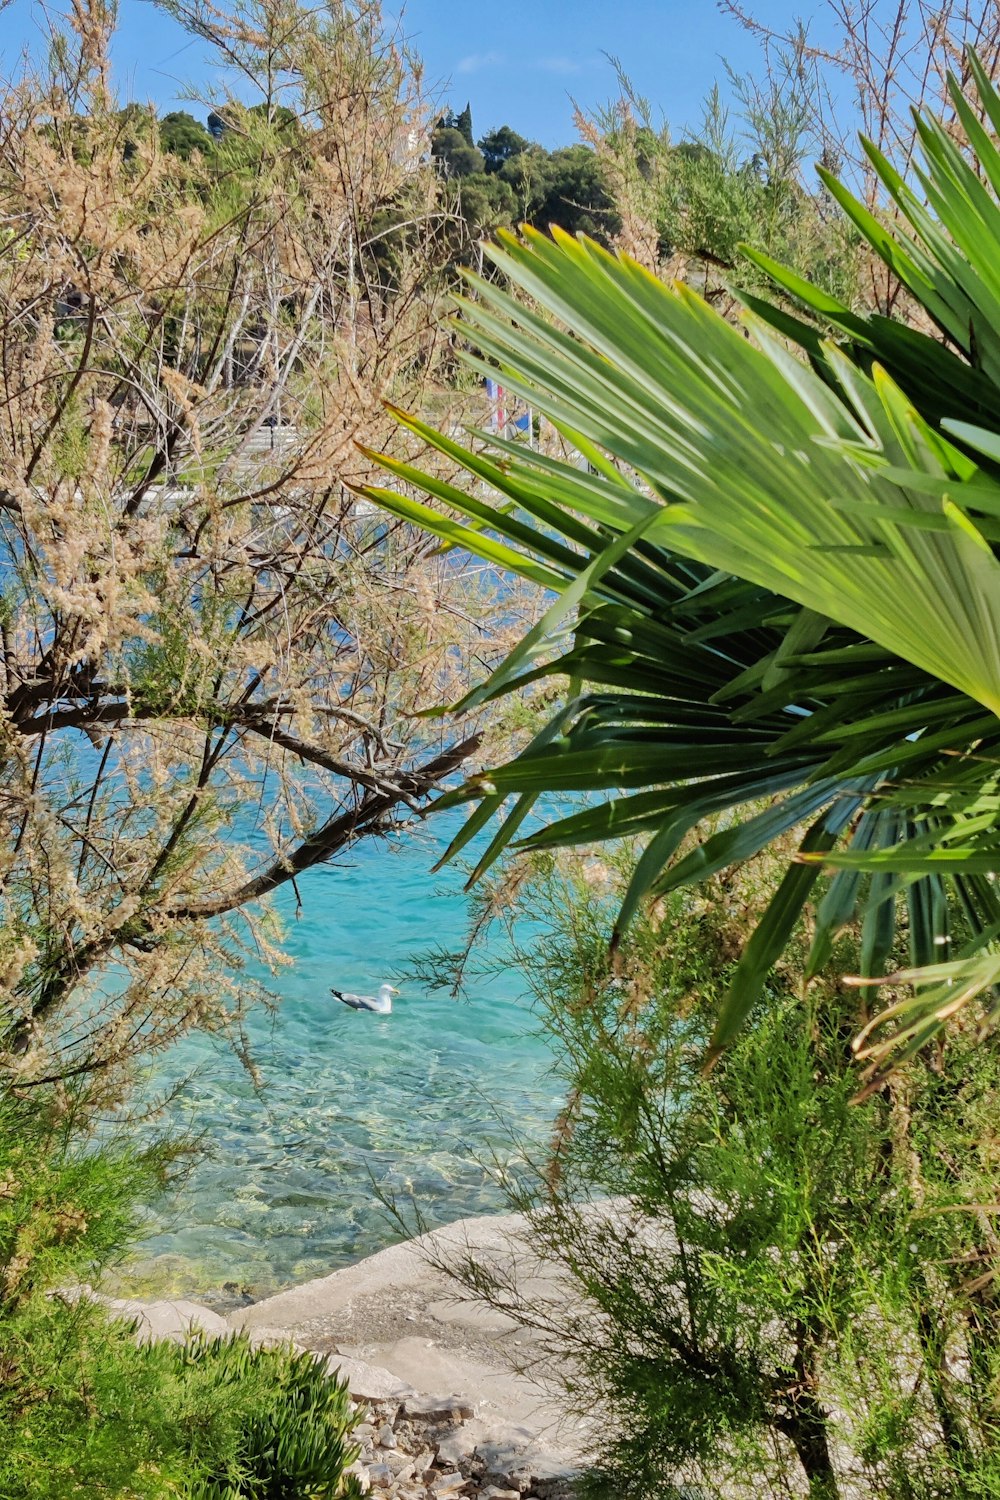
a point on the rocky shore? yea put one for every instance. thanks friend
(435, 1447)
(443, 1411)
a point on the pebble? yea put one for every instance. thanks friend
(420, 1450)
(453, 1449)
(517, 1477)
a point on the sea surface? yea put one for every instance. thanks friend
(431, 1104)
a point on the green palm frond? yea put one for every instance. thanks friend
(777, 586)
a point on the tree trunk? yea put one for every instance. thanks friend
(804, 1422)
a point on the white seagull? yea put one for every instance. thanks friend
(380, 1003)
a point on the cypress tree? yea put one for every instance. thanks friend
(463, 123)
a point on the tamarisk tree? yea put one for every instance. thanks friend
(211, 657)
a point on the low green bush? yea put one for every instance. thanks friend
(85, 1411)
(287, 1427)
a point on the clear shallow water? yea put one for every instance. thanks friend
(418, 1102)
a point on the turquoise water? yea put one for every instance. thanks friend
(419, 1102)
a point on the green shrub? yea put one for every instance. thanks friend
(78, 1400)
(86, 1412)
(788, 1292)
(287, 1432)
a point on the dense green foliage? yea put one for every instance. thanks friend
(181, 134)
(507, 180)
(784, 1286)
(778, 580)
(502, 181)
(63, 1210)
(86, 1411)
(286, 1423)
(73, 1389)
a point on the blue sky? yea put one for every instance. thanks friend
(518, 64)
(523, 64)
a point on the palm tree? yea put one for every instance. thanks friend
(776, 588)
